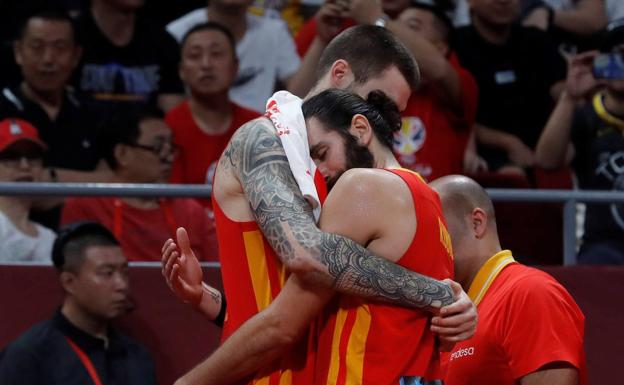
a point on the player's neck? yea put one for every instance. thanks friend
(88, 324)
(384, 158)
(212, 114)
(116, 25)
(234, 17)
(482, 254)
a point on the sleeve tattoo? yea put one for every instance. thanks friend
(286, 219)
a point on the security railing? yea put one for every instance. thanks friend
(568, 197)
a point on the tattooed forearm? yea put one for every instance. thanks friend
(369, 276)
(286, 220)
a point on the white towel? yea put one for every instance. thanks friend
(284, 110)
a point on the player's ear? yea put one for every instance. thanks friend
(479, 222)
(361, 129)
(340, 74)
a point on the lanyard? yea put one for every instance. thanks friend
(486, 275)
(85, 361)
(605, 115)
(165, 207)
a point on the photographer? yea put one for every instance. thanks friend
(585, 129)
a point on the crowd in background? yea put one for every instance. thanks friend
(134, 91)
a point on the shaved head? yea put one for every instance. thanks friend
(460, 195)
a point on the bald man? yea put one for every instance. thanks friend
(530, 329)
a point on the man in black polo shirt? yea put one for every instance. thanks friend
(516, 68)
(78, 346)
(47, 53)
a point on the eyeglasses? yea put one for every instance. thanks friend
(162, 149)
(15, 161)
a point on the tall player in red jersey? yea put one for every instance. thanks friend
(530, 329)
(269, 223)
(397, 216)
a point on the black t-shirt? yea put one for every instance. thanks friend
(125, 77)
(72, 137)
(42, 355)
(514, 79)
(599, 165)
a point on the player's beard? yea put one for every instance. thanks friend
(357, 156)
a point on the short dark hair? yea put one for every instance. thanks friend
(69, 249)
(123, 128)
(211, 26)
(49, 15)
(370, 50)
(336, 108)
(442, 10)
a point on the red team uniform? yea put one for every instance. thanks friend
(526, 320)
(199, 151)
(433, 138)
(367, 343)
(252, 277)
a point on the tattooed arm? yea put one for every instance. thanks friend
(284, 216)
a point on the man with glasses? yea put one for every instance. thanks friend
(21, 160)
(140, 150)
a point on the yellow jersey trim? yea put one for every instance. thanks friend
(486, 275)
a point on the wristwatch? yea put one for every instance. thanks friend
(382, 20)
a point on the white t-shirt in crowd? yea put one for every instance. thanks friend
(615, 9)
(15, 246)
(266, 54)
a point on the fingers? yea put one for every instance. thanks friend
(168, 256)
(166, 245)
(183, 240)
(456, 324)
(451, 339)
(169, 266)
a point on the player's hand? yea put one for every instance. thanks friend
(181, 269)
(455, 322)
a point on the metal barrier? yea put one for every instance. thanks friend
(568, 197)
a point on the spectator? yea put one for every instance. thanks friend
(203, 124)
(448, 96)
(512, 344)
(568, 21)
(289, 10)
(47, 53)
(517, 69)
(440, 114)
(615, 9)
(585, 129)
(127, 60)
(78, 345)
(265, 50)
(141, 151)
(21, 160)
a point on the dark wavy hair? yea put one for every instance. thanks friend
(336, 108)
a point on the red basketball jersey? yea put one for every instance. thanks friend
(375, 344)
(252, 277)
